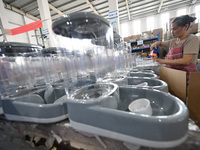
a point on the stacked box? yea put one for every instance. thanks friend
(135, 37)
(127, 39)
(146, 34)
(193, 28)
(156, 31)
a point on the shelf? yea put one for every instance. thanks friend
(142, 48)
(144, 40)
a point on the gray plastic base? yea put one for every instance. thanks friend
(126, 138)
(43, 106)
(1, 109)
(167, 127)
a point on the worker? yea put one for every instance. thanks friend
(183, 48)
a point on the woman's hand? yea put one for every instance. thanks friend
(154, 45)
(161, 61)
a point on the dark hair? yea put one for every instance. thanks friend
(183, 20)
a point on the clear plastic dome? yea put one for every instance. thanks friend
(54, 60)
(21, 68)
(124, 60)
(88, 41)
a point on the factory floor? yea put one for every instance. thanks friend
(60, 136)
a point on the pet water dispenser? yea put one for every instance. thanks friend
(164, 124)
(26, 91)
(90, 38)
(18, 74)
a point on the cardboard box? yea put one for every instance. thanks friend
(146, 34)
(176, 81)
(190, 95)
(138, 36)
(127, 39)
(193, 94)
(135, 37)
(156, 31)
(198, 34)
(193, 28)
(144, 55)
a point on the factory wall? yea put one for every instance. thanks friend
(16, 20)
(128, 28)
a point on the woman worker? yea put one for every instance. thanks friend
(183, 48)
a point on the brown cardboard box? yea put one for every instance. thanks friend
(144, 55)
(148, 33)
(194, 97)
(135, 37)
(138, 36)
(193, 28)
(127, 39)
(198, 34)
(156, 31)
(176, 80)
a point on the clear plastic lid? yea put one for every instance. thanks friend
(18, 49)
(81, 25)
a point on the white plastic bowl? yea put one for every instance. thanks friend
(141, 106)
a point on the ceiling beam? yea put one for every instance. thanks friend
(55, 9)
(54, 1)
(161, 3)
(92, 7)
(67, 3)
(27, 5)
(129, 17)
(68, 11)
(7, 6)
(33, 10)
(13, 2)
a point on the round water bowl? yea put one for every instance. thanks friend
(107, 94)
(144, 71)
(142, 74)
(115, 79)
(151, 83)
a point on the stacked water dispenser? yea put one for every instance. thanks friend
(26, 92)
(90, 39)
(17, 72)
(101, 108)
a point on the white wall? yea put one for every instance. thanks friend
(127, 27)
(16, 20)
